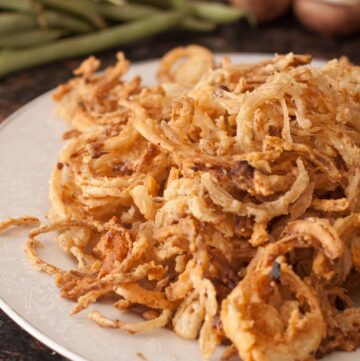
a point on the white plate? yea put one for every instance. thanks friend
(30, 141)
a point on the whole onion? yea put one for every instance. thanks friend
(329, 17)
(263, 10)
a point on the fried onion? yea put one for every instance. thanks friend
(221, 202)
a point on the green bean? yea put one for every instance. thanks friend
(161, 4)
(134, 11)
(125, 12)
(23, 6)
(52, 17)
(13, 22)
(57, 19)
(195, 24)
(216, 12)
(116, 2)
(178, 4)
(82, 8)
(30, 38)
(89, 43)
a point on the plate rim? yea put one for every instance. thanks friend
(4, 306)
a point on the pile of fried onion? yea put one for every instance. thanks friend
(223, 203)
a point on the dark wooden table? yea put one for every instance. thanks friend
(282, 36)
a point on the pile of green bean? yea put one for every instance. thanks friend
(34, 32)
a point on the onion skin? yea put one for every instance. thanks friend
(328, 18)
(263, 10)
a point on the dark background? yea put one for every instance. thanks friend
(281, 36)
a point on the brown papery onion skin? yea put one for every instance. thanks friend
(328, 17)
(263, 10)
